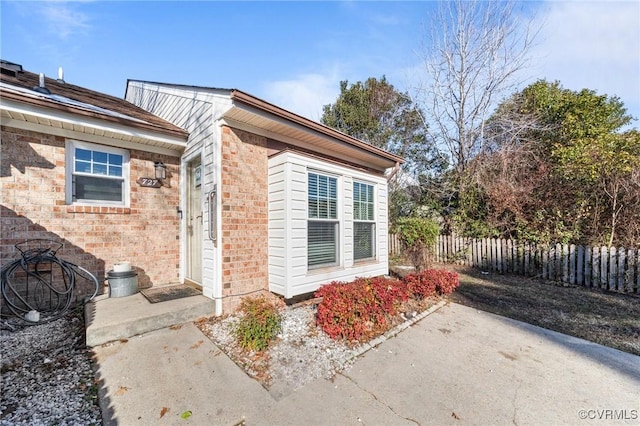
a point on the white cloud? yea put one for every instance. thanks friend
(63, 20)
(305, 94)
(593, 45)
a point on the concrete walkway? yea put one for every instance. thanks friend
(456, 366)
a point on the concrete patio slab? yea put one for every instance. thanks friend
(456, 366)
(115, 318)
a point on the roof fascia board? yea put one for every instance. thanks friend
(261, 105)
(87, 137)
(308, 146)
(72, 119)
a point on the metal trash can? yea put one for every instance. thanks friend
(123, 283)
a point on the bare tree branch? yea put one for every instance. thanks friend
(478, 49)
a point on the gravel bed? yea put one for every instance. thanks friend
(299, 342)
(47, 377)
(300, 354)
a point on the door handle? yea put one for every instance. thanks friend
(213, 207)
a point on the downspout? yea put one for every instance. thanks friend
(396, 169)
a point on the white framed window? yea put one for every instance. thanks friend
(96, 174)
(323, 224)
(364, 226)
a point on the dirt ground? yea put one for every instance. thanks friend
(607, 318)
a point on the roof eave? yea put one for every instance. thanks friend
(20, 114)
(245, 98)
(76, 110)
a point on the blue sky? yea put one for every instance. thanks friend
(294, 54)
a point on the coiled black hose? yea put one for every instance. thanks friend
(30, 290)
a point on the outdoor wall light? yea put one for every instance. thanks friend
(161, 170)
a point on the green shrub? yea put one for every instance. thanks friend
(259, 323)
(419, 236)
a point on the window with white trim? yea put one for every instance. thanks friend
(322, 226)
(97, 174)
(364, 226)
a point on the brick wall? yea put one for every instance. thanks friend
(32, 184)
(244, 215)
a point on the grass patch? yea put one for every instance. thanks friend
(607, 318)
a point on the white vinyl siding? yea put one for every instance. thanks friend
(289, 272)
(195, 111)
(96, 174)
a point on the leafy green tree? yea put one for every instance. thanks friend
(558, 167)
(376, 112)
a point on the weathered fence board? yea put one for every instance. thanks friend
(580, 269)
(611, 268)
(622, 266)
(595, 282)
(631, 262)
(604, 267)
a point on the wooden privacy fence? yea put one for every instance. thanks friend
(610, 268)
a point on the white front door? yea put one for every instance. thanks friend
(194, 222)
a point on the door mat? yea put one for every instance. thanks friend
(163, 294)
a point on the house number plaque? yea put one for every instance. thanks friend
(149, 182)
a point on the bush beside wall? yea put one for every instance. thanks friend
(365, 307)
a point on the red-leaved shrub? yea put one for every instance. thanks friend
(419, 285)
(446, 281)
(426, 283)
(389, 293)
(361, 309)
(358, 309)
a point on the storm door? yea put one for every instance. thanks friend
(194, 222)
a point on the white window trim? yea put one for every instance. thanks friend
(338, 221)
(70, 149)
(374, 245)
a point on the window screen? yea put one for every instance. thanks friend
(97, 174)
(322, 227)
(364, 224)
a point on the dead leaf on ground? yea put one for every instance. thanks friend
(121, 391)
(176, 327)
(197, 344)
(163, 411)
